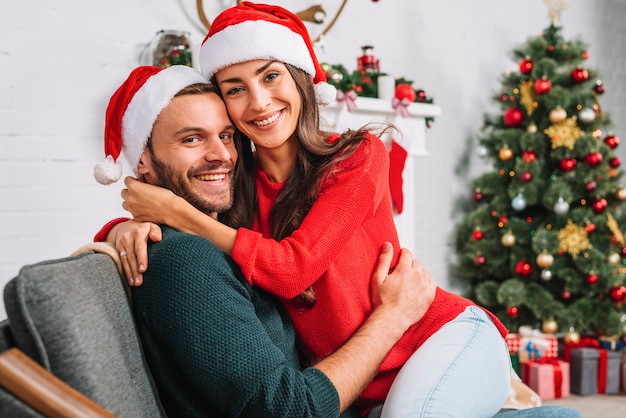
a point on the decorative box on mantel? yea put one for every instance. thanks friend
(412, 138)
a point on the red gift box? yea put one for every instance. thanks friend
(548, 376)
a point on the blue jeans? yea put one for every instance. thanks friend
(462, 370)
(552, 411)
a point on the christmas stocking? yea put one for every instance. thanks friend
(397, 158)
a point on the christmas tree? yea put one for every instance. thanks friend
(542, 245)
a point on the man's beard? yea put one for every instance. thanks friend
(179, 184)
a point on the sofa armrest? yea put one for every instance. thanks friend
(43, 391)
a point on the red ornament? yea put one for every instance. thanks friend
(593, 159)
(513, 116)
(599, 87)
(479, 260)
(592, 278)
(503, 97)
(618, 293)
(477, 235)
(590, 186)
(526, 66)
(405, 91)
(421, 95)
(584, 55)
(542, 86)
(529, 156)
(568, 164)
(566, 295)
(526, 176)
(523, 268)
(477, 196)
(612, 141)
(512, 311)
(590, 227)
(623, 251)
(615, 162)
(599, 205)
(580, 75)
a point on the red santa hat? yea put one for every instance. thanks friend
(250, 31)
(132, 111)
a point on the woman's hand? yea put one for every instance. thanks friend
(131, 240)
(148, 203)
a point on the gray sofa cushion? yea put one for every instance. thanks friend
(72, 315)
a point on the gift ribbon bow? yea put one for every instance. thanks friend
(349, 99)
(585, 342)
(401, 106)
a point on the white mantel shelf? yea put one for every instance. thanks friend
(413, 139)
(413, 128)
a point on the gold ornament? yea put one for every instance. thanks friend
(527, 97)
(505, 154)
(571, 336)
(614, 259)
(545, 260)
(621, 193)
(508, 239)
(611, 223)
(557, 115)
(564, 134)
(549, 326)
(532, 129)
(573, 239)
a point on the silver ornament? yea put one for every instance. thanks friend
(546, 274)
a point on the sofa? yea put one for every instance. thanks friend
(69, 345)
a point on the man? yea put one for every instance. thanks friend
(216, 346)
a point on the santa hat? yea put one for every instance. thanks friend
(132, 111)
(250, 31)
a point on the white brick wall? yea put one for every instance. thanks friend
(61, 60)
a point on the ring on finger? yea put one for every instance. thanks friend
(123, 254)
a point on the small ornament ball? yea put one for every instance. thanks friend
(546, 274)
(612, 141)
(518, 203)
(526, 176)
(513, 117)
(614, 259)
(545, 260)
(549, 326)
(542, 86)
(593, 159)
(481, 151)
(512, 311)
(592, 278)
(618, 293)
(599, 205)
(561, 207)
(599, 87)
(505, 154)
(479, 260)
(508, 239)
(557, 115)
(568, 164)
(621, 194)
(523, 268)
(526, 66)
(566, 295)
(405, 91)
(580, 75)
(587, 115)
(571, 336)
(532, 128)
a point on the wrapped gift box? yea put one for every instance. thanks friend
(549, 377)
(594, 371)
(612, 343)
(545, 344)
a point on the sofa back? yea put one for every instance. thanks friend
(73, 316)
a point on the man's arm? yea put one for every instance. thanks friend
(401, 299)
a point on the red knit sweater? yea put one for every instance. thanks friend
(335, 250)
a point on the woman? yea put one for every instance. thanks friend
(318, 211)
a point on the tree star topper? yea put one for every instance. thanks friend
(555, 8)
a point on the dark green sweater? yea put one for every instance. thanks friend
(217, 347)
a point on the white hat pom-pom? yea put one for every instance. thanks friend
(325, 93)
(107, 171)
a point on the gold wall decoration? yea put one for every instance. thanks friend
(314, 16)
